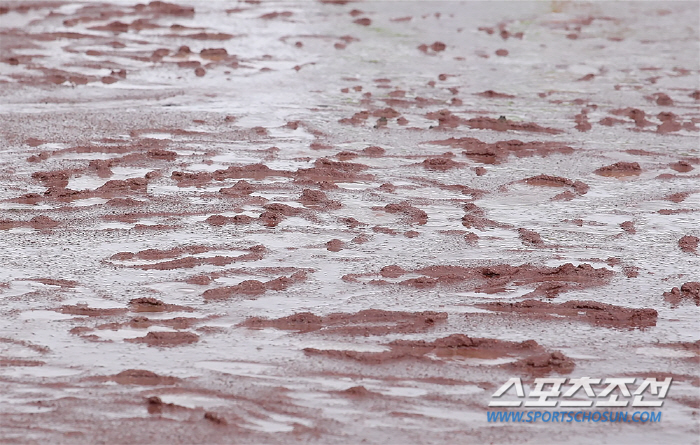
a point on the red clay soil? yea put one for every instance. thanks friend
(166, 339)
(239, 189)
(156, 254)
(318, 199)
(552, 280)
(358, 392)
(586, 311)
(252, 288)
(620, 169)
(579, 187)
(534, 359)
(150, 304)
(682, 166)
(56, 282)
(392, 271)
(254, 253)
(490, 94)
(314, 244)
(432, 49)
(143, 378)
(689, 291)
(475, 218)
(498, 152)
(678, 197)
(689, 243)
(582, 123)
(530, 238)
(628, 226)
(220, 220)
(441, 164)
(670, 123)
(363, 323)
(488, 123)
(412, 214)
(335, 245)
(90, 311)
(542, 364)
(40, 222)
(638, 116)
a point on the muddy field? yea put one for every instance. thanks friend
(338, 222)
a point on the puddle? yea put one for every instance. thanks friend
(424, 82)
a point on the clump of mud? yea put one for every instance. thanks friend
(364, 323)
(592, 312)
(532, 357)
(142, 377)
(689, 243)
(498, 152)
(689, 291)
(620, 169)
(166, 339)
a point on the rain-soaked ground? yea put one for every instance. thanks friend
(307, 222)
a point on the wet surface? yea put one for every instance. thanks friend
(335, 222)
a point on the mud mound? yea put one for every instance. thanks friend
(688, 291)
(363, 323)
(592, 312)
